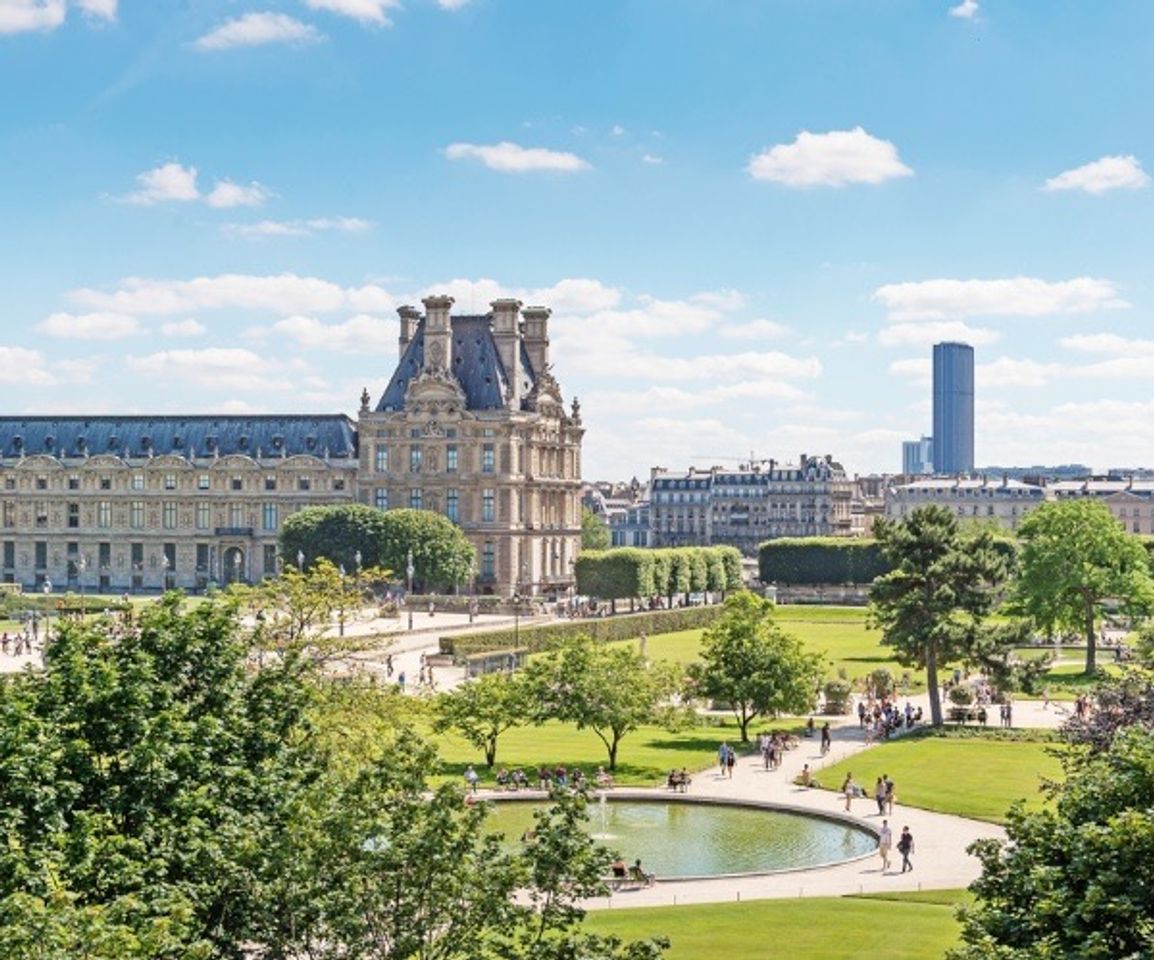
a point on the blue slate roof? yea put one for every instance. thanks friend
(328, 435)
(476, 365)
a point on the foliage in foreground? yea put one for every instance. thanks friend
(163, 797)
(1077, 881)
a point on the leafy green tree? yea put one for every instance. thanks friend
(1074, 881)
(932, 605)
(442, 555)
(483, 709)
(754, 666)
(1074, 557)
(594, 531)
(611, 690)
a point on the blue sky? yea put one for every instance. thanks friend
(752, 217)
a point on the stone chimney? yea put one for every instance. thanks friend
(410, 317)
(438, 333)
(507, 336)
(537, 336)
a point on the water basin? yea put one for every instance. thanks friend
(681, 839)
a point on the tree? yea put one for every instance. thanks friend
(1076, 880)
(611, 690)
(1074, 557)
(932, 604)
(442, 555)
(594, 531)
(483, 709)
(755, 667)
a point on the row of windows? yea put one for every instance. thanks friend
(169, 513)
(419, 459)
(172, 481)
(452, 502)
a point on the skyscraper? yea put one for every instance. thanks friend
(953, 408)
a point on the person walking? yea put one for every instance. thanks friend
(722, 755)
(826, 738)
(906, 848)
(730, 760)
(889, 785)
(849, 790)
(885, 843)
(880, 796)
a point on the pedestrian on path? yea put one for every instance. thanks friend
(889, 785)
(880, 796)
(849, 789)
(722, 753)
(730, 760)
(885, 842)
(825, 738)
(906, 848)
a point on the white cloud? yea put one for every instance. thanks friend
(226, 194)
(947, 299)
(575, 295)
(360, 334)
(831, 159)
(20, 16)
(256, 29)
(617, 130)
(452, 4)
(652, 159)
(727, 300)
(89, 326)
(299, 228)
(966, 10)
(1109, 343)
(21, 366)
(105, 9)
(917, 369)
(365, 11)
(183, 328)
(1101, 176)
(507, 157)
(1007, 372)
(169, 182)
(905, 334)
(286, 294)
(79, 370)
(225, 368)
(755, 330)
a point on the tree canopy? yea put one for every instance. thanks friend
(754, 666)
(931, 606)
(1075, 556)
(611, 690)
(483, 709)
(594, 531)
(164, 796)
(442, 555)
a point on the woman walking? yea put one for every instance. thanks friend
(849, 789)
(905, 848)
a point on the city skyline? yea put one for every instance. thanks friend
(751, 222)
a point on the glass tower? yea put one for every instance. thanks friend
(953, 408)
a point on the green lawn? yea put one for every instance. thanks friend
(918, 927)
(645, 756)
(838, 633)
(971, 776)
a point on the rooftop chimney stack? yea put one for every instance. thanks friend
(507, 335)
(438, 333)
(410, 317)
(537, 337)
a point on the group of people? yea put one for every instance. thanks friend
(879, 718)
(883, 793)
(546, 777)
(905, 846)
(17, 644)
(679, 780)
(622, 874)
(772, 747)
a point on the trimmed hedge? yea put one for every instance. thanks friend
(604, 630)
(813, 560)
(628, 572)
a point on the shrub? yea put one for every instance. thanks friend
(813, 560)
(604, 630)
(961, 695)
(838, 694)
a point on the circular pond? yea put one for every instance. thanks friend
(678, 839)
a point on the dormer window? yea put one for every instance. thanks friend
(114, 442)
(49, 442)
(242, 443)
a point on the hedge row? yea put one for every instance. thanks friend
(812, 560)
(604, 630)
(627, 572)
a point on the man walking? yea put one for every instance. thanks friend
(885, 842)
(825, 738)
(906, 848)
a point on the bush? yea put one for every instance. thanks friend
(838, 694)
(881, 681)
(627, 572)
(604, 630)
(961, 695)
(813, 560)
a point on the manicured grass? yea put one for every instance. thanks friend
(645, 756)
(971, 776)
(838, 633)
(841, 928)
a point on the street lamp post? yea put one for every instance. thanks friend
(81, 566)
(341, 609)
(409, 571)
(47, 610)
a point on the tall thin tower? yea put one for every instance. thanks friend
(953, 408)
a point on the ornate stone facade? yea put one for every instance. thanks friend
(471, 425)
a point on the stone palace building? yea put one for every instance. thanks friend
(472, 424)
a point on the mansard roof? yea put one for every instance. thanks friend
(476, 366)
(323, 435)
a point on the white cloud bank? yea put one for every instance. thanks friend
(258, 29)
(507, 157)
(966, 10)
(1102, 176)
(173, 182)
(832, 159)
(364, 11)
(299, 228)
(25, 16)
(89, 326)
(949, 299)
